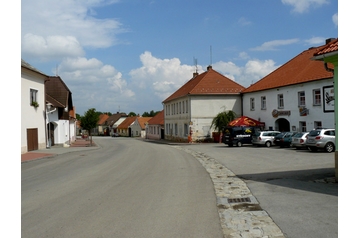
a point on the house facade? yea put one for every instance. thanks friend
(33, 134)
(155, 127)
(138, 127)
(191, 109)
(298, 96)
(110, 125)
(60, 113)
(124, 128)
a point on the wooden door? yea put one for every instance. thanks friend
(32, 139)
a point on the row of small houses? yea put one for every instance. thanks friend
(131, 126)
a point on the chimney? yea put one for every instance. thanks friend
(329, 40)
(195, 74)
(209, 67)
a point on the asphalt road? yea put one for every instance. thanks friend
(127, 188)
(288, 183)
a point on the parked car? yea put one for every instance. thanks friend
(264, 138)
(299, 140)
(115, 135)
(237, 135)
(284, 139)
(319, 139)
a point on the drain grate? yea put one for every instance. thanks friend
(238, 200)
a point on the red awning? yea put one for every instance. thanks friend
(246, 121)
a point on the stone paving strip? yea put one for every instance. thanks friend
(240, 213)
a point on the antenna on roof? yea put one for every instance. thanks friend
(196, 64)
(211, 56)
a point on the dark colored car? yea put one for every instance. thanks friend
(284, 139)
(237, 135)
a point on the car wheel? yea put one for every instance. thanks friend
(329, 147)
(268, 144)
(239, 144)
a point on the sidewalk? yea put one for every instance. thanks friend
(78, 145)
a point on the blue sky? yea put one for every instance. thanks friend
(129, 55)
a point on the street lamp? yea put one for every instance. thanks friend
(48, 111)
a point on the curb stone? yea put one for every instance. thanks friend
(242, 217)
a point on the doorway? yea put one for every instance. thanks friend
(282, 124)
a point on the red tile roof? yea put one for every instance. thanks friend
(142, 121)
(102, 119)
(329, 48)
(157, 119)
(300, 69)
(127, 122)
(208, 83)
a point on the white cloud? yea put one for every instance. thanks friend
(316, 41)
(96, 85)
(51, 47)
(253, 70)
(66, 26)
(335, 19)
(162, 76)
(301, 6)
(272, 45)
(244, 22)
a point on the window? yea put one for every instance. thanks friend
(176, 129)
(186, 105)
(179, 107)
(316, 97)
(252, 104)
(301, 99)
(33, 96)
(263, 103)
(317, 124)
(303, 127)
(280, 101)
(186, 129)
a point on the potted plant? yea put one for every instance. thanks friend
(34, 104)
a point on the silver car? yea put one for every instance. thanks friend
(321, 139)
(299, 140)
(264, 138)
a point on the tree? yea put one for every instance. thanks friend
(89, 121)
(222, 119)
(132, 114)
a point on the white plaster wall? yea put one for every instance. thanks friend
(32, 117)
(200, 113)
(290, 94)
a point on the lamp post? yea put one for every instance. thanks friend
(48, 111)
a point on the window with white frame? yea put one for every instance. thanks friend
(280, 101)
(33, 96)
(316, 97)
(263, 103)
(186, 129)
(252, 104)
(186, 105)
(301, 99)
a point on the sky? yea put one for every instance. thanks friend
(130, 55)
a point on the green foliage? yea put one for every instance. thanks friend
(132, 114)
(222, 119)
(89, 121)
(150, 114)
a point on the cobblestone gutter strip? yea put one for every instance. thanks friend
(240, 213)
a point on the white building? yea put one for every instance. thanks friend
(298, 96)
(191, 109)
(33, 134)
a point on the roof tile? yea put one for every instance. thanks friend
(300, 69)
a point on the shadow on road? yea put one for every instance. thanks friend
(313, 180)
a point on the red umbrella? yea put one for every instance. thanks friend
(246, 121)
